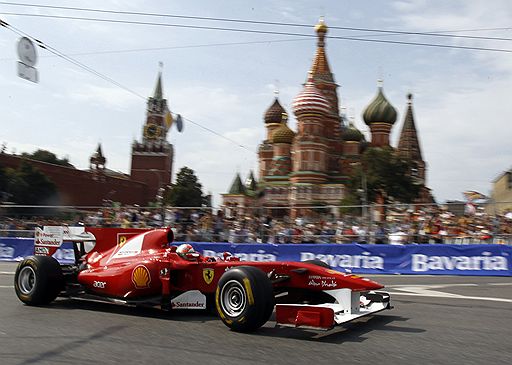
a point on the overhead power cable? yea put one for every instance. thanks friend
(71, 60)
(260, 22)
(174, 47)
(474, 48)
(217, 134)
(104, 77)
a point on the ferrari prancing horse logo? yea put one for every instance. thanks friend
(208, 275)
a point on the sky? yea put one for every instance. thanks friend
(224, 81)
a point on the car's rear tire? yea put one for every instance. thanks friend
(244, 298)
(38, 280)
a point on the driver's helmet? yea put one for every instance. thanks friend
(186, 251)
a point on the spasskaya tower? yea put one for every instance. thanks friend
(152, 158)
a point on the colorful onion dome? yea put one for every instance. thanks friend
(274, 113)
(310, 100)
(283, 134)
(379, 110)
(352, 134)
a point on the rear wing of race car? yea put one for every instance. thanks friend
(48, 240)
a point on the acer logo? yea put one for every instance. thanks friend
(99, 284)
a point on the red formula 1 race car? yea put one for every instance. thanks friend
(133, 266)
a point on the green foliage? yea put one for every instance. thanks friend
(47, 156)
(319, 204)
(186, 192)
(27, 185)
(385, 172)
(349, 205)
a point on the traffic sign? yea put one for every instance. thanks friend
(27, 51)
(27, 72)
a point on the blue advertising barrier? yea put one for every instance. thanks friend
(429, 259)
(15, 249)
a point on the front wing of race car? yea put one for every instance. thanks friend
(349, 305)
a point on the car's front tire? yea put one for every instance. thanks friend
(38, 280)
(244, 298)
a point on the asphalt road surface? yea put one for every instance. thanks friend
(435, 320)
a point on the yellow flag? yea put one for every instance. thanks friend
(168, 119)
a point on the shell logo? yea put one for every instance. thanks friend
(141, 277)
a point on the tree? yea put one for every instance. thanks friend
(47, 156)
(350, 204)
(186, 192)
(27, 185)
(4, 195)
(385, 172)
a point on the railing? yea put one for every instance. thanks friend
(284, 238)
(259, 224)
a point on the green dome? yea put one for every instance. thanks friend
(379, 110)
(352, 134)
(283, 134)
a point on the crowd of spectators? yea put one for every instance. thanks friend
(431, 224)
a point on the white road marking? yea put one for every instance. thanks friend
(430, 285)
(6, 273)
(6, 286)
(453, 296)
(427, 291)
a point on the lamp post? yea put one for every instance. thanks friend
(160, 203)
(363, 192)
(159, 196)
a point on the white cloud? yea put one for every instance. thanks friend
(461, 110)
(460, 100)
(106, 96)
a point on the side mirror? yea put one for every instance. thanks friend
(170, 235)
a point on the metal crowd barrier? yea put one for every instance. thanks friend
(230, 237)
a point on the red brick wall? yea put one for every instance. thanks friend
(78, 188)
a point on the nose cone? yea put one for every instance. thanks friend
(372, 285)
(359, 283)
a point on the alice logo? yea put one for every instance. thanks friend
(141, 277)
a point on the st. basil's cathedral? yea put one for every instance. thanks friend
(310, 166)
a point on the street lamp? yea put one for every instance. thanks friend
(159, 197)
(160, 203)
(363, 192)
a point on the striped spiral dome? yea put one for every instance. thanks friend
(310, 100)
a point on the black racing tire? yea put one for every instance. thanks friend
(38, 280)
(317, 263)
(244, 298)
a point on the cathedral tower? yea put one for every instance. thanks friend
(273, 119)
(324, 82)
(380, 116)
(310, 148)
(409, 145)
